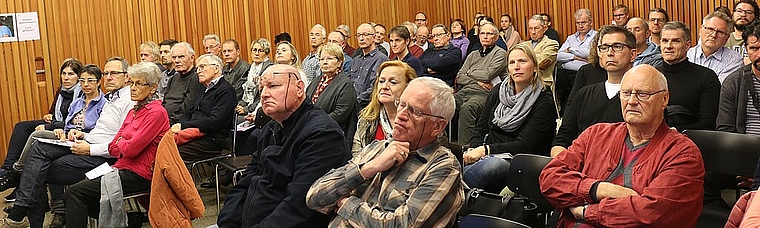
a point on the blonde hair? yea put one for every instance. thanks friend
(526, 48)
(372, 111)
(297, 58)
(152, 47)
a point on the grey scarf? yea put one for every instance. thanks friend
(112, 213)
(513, 109)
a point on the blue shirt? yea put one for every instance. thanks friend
(724, 61)
(651, 56)
(90, 116)
(5, 31)
(572, 47)
(363, 71)
(413, 62)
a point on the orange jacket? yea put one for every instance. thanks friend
(174, 200)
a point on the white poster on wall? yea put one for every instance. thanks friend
(8, 28)
(27, 26)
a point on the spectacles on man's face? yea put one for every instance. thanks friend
(439, 35)
(211, 46)
(138, 84)
(619, 15)
(617, 47)
(657, 20)
(745, 12)
(641, 96)
(364, 35)
(711, 30)
(203, 66)
(89, 80)
(113, 73)
(415, 112)
(257, 50)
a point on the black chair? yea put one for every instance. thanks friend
(522, 179)
(726, 153)
(234, 165)
(485, 221)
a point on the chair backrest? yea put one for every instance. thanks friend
(726, 152)
(485, 221)
(522, 178)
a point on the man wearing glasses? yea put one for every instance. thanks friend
(444, 59)
(299, 146)
(183, 86)
(710, 52)
(420, 19)
(745, 12)
(573, 54)
(620, 15)
(598, 102)
(694, 89)
(476, 78)
(49, 163)
(364, 66)
(613, 169)
(657, 18)
(213, 45)
(210, 113)
(410, 181)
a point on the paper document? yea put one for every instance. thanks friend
(101, 170)
(244, 126)
(65, 143)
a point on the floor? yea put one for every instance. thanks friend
(207, 194)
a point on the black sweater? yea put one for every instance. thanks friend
(212, 111)
(588, 74)
(697, 89)
(533, 137)
(589, 106)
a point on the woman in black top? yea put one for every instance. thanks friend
(518, 117)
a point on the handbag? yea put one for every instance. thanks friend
(478, 201)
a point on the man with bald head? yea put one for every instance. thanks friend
(648, 53)
(365, 64)
(638, 165)
(299, 146)
(710, 51)
(475, 79)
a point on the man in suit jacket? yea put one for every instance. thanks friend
(545, 49)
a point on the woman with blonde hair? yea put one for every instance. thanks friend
(518, 117)
(286, 53)
(376, 120)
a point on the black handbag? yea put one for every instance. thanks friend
(477, 201)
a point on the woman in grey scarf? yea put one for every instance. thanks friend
(518, 117)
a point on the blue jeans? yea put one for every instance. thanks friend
(489, 174)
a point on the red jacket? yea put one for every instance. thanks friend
(668, 177)
(174, 200)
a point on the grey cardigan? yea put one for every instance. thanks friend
(732, 106)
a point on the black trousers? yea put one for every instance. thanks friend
(21, 132)
(563, 85)
(202, 148)
(83, 198)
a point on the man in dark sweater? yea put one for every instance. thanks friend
(182, 87)
(235, 70)
(599, 102)
(694, 89)
(210, 113)
(443, 60)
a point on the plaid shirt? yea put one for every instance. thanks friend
(426, 191)
(310, 66)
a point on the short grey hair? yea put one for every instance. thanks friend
(214, 59)
(187, 47)
(411, 26)
(345, 27)
(538, 18)
(643, 22)
(321, 29)
(124, 62)
(212, 37)
(265, 44)
(722, 16)
(442, 97)
(580, 12)
(148, 70)
(677, 25)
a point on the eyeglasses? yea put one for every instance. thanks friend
(260, 78)
(203, 66)
(257, 50)
(364, 35)
(617, 47)
(657, 20)
(581, 22)
(89, 80)
(619, 15)
(717, 33)
(211, 47)
(113, 73)
(139, 84)
(745, 12)
(328, 58)
(641, 96)
(416, 112)
(438, 35)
